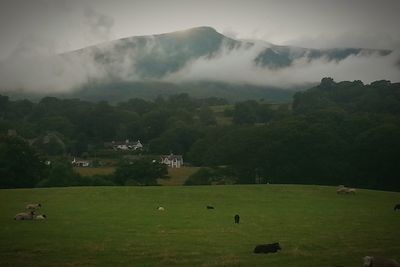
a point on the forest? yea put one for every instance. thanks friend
(334, 133)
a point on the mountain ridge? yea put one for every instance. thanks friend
(156, 56)
(186, 60)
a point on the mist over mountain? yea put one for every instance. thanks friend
(187, 61)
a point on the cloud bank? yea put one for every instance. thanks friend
(237, 66)
(36, 68)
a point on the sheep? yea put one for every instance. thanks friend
(345, 190)
(161, 208)
(33, 206)
(24, 216)
(267, 248)
(351, 191)
(397, 207)
(210, 207)
(237, 218)
(370, 261)
(341, 190)
(40, 217)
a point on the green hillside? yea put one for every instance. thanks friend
(120, 226)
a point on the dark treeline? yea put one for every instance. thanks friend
(335, 133)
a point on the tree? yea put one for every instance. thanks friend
(245, 112)
(20, 164)
(377, 158)
(143, 171)
(206, 116)
(61, 173)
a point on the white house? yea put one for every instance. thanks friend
(126, 145)
(80, 163)
(173, 161)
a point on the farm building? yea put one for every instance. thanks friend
(80, 163)
(124, 145)
(173, 161)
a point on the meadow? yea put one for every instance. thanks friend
(121, 226)
(176, 176)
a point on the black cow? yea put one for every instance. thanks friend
(237, 218)
(397, 207)
(267, 248)
(210, 207)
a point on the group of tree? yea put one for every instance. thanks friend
(334, 133)
(23, 166)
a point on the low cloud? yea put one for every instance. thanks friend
(37, 68)
(99, 25)
(237, 66)
(376, 40)
(34, 66)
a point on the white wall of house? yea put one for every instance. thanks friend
(173, 163)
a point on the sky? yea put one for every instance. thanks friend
(42, 28)
(63, 25)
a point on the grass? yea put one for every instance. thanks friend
(178, 176)
(90, 171)
(220, 116)
(120, 226)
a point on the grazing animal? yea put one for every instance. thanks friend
(370, 261)
(33, 206)
(210, 207)
(345, 190)
(24, 216)
(351, 191)
(397, 207)
(267, 248)
(40, 217)
(341, 190)
(161, 208)
(237, 218)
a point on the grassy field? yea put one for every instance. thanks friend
(177, 176)
(90, 171)
(220, 116)
(120, 226)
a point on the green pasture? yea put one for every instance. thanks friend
(120, 226)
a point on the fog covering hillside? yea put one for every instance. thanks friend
(154, 57)
(199, 61)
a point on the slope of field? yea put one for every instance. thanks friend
(176, 176)
(120, 226)
(90, 171)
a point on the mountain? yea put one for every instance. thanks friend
(199, 61)
(154, 57)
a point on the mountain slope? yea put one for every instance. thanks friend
(154, 57)
(199, 61)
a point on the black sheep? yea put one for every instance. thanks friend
(267, 248)
(237, 218)
(397, 207)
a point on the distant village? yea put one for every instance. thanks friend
(171, 160)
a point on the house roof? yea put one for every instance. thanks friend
(172, 157)
(118, 143)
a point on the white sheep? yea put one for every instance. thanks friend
(351, 191)
(40, 217)
(345, 190)
(342, 190)
(24, 216)
(370, 261)
(161, 208)
(33, 206)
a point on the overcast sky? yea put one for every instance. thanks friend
(62, 25)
